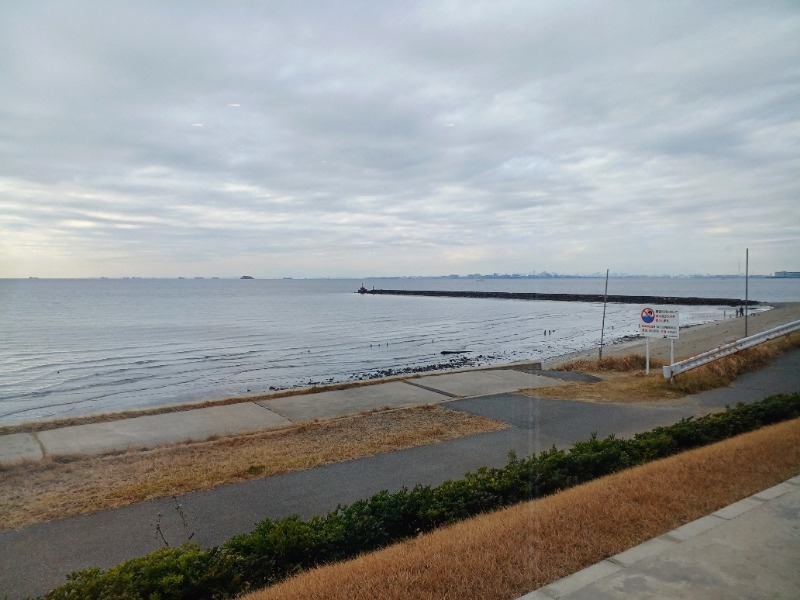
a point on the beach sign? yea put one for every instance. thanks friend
(660, 322)
(656, 321)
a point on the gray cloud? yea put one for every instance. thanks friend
(325, 138)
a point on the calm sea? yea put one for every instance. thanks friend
(76, 347)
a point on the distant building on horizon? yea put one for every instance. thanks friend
(787, 273)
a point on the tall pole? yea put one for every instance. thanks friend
(746, 282)
(603, 325)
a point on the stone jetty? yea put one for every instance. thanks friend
(615, 298)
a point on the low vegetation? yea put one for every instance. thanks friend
(67, 486)
(508, 553)
(624, 379)
(58, 487)
(610, 364)
(280, 548)
(722, 372)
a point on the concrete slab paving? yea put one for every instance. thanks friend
(696, 527)
(153, 430)
(774, 492)
(754, 554)
(536, 369)
(737, 508)
(327, 405)
(579, 580)
(199, 424)
(537, 595)
(483, 382)
(147, 431)
(19, 446)
(33, 555)
(642, 551)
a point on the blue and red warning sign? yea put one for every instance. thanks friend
(656, 321)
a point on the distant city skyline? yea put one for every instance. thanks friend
(541, 275)
(331, 139)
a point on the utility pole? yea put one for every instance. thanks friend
(603, 325)
(746, 285)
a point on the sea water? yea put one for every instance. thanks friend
(77, 347)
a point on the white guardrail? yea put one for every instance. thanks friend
(706, 357)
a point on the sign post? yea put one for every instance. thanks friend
(660, 322)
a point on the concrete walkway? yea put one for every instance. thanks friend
(748, 550)
(203, 423)
(36, 558)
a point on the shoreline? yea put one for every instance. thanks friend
(693, 340)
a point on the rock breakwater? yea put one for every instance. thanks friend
(615, 298)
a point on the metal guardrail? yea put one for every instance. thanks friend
(706, 357)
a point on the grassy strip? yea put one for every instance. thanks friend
(508, 553)
(624, 379)
(280, 548)
(722, 372)
(58, 487)
(61, 487)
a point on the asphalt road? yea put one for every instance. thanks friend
(36, 558)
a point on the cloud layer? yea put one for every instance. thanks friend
(367, 138)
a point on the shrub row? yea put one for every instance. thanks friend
(279, 548)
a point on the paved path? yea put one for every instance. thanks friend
(36, 558)
(203, 423)
(199, 424)
(748, 550)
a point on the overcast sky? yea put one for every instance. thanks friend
(301, 138)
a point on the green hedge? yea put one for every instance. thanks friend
(279, 548)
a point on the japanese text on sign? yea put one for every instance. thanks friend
(658, 322)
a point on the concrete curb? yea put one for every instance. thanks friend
(18, 447)
(656, 546)
(198, 424)
(154, 430)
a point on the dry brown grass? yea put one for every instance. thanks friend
(614, 387)
(624, 380)
(54, 488)
(511, 552)
(722, 372)
(618, 364)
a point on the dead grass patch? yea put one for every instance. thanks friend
(624, 380)
(722, 372)
(67, 486)
(619, 364)
(614, 387)
(511, 552)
